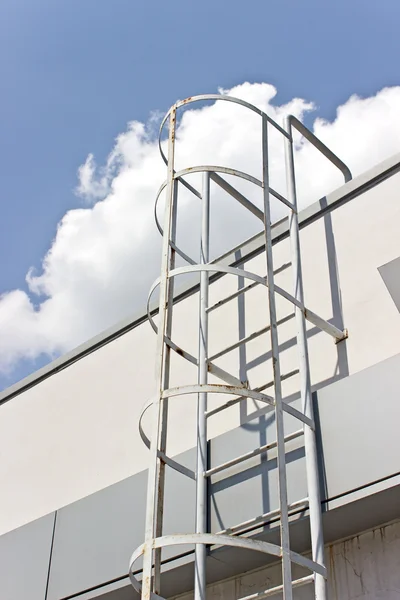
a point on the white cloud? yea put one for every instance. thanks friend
(88, 187)
(105, 256)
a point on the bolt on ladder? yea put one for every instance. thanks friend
(149, 587)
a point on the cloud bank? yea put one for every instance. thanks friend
(105, 255)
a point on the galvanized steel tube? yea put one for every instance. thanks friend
(202, 462)
(317, 543)
(280, 434)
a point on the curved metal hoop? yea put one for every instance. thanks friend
(196, 268)
(193, 389)
(178, 175)
(164, 457)
(216, 268)
(216, 97)
(211, 388)
(218, 540)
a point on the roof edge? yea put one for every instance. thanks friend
(250, 248)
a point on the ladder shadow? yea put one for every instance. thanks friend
(261, 419)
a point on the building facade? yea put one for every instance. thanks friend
(73, 466)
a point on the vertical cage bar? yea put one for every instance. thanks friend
(154, 507)
(317, 542)
(202, 459)
(164, 408)
(280, 435)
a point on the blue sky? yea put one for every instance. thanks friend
(74, 73)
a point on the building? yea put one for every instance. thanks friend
(74, 468)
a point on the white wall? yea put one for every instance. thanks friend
(76, 432)
(366, 567)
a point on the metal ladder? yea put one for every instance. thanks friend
(149, 587)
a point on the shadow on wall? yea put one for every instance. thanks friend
(262, 421)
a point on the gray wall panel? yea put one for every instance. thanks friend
(390, 274)
(96, 536)
(24, 560)
(360, 418)
(253, 484)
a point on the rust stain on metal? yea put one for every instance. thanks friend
(345, 336)
(172, 124)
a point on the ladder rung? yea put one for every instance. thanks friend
(227, 377)
(244, 340)
(250, 337)
(265, 518)
(309, 564)
(252, 454)
(232, 402)
(283, 377)
(324, 325)
(279, 588)
(237, 399)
